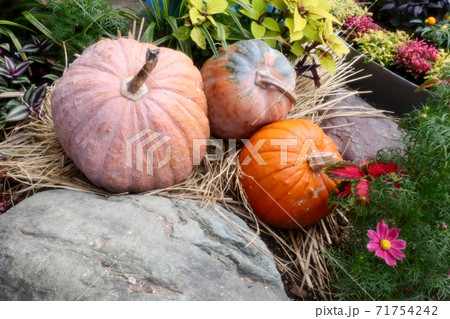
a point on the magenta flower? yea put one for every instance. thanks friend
(416, 57)
(385, 244)
(354, 26)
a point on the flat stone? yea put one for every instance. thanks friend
(68, 245)
(359, 137)
(131, 4)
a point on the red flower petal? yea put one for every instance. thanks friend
(346, 190)
(345, 171)
(362, 189)
(378, 169)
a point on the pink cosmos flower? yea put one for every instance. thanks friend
(385, 244)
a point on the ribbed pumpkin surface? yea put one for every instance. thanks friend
(237, 107)
(280, 185)
(95, 123)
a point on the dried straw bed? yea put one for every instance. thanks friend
(37, 161)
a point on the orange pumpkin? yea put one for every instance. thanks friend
(129, 127)
(282, 173)
(247, 86)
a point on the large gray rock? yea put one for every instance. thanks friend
(67, 245)
(359, 137)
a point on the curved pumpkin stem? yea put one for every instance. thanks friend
(264, 79)
(319, 160)
(134, 88)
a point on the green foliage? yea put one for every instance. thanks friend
(438, 34)
(427, 142)
(5, 29)
(23, 82)
(380, 46)
(345, 8)
(441, 68)
(77, 23)
(419, 208)
(181, 26)
(295, 27)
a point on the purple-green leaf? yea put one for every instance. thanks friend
(21, 79)
(3, 82)
(30, 48)
(12, 103)
(5, 46)
(4, 72)
(37, 96)
(27, 94)
(18, 113)
(12, 70)
(21, 68)
(10, 65)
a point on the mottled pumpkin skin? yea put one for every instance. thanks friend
(236, 106)
(94, 121)
(280, 189)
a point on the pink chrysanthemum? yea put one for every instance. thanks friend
(385, 244)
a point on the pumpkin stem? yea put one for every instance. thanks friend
(319, 160)
(134, 88)
(264, 79)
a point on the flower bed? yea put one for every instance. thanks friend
(385, 89)
(410, 57)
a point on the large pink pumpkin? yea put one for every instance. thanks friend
(128, 142)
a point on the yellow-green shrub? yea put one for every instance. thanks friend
(380, 46)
